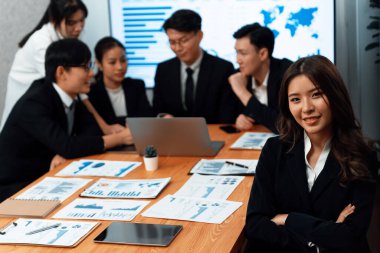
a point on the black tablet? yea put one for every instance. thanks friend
(139, 234)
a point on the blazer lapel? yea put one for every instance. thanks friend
(107, 105)
(130, 100)
(330, 172)
(59, 108)
(174, 79)
(272, 82)
(202, 84)
(298, 171)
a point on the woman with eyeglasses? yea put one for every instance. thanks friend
(114, 96)
(314, 186)
(62, 19)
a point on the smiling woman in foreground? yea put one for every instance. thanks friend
(313, 190)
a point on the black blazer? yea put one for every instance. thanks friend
(262, 114)
(36, 130)
(280, 187)
(135, 97)
(214, 99)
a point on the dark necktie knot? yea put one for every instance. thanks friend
(189, 91)
(189, 71)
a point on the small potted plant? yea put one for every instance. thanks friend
(150, 158)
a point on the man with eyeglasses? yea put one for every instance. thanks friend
(49, 123)
(194, 83)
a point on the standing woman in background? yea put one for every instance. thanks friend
(114, 96)
(62, 19)
(314, 187)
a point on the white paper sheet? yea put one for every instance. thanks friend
(221, 167)
(252, 140)
(102, 209)
(54, 188)
(98, 168)
(116, 188)
(192, 209)
(210, 187)
(66, 234)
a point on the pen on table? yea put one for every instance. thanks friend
(237, 164)
(43, 229)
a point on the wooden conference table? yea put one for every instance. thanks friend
(195, 236)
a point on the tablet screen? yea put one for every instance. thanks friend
(139, 234)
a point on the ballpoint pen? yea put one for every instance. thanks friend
(237, 164)
(43, 229)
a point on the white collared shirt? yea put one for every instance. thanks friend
(195, 67)
(117, 98)
(66, 99)
(313, 173)
(261, 91)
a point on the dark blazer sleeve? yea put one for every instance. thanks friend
(262, 203)
(136, 98)
(267, 115)
(39, 120)
(331, 235)
(229, 103)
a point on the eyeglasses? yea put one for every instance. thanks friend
(85, 66)
(181, 42)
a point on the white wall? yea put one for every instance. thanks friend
(16, 20)
(97, 22)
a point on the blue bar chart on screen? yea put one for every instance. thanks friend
(138, 24)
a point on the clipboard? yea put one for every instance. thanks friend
(41, 232)
(27, 208)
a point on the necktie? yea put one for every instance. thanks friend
(70, 117)
(189, 91)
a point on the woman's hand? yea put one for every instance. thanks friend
(280, 219)
(349, 209)
(57, 160)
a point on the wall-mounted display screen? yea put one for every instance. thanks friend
(301, 28)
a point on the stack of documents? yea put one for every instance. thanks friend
(209, 187)
(116, 188)
(98, 168)
(46, 232)
(225, 167)
(102, 209)
(192, 209)
(252, 140)
(201, 199)
(54, 188)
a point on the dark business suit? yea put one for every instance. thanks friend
(37, 130)
(135, 97)
(214, 99)
(280, 187)
(262, 114)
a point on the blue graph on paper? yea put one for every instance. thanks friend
(60, 233)
(115, 188)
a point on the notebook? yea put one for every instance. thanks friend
(27, 208)
(174, 136)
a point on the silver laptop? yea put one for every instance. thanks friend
(173, 136)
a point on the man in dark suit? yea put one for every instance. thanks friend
(194, 83)
(49, 123)
(258, 82)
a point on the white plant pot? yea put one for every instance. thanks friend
(151, 163)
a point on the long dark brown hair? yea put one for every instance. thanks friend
(57, 11)
(347, 145)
